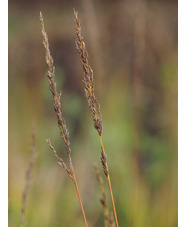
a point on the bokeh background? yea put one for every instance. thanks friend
(132, 48)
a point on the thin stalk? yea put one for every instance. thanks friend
(108, 177)
(109, 221)
(110, 186)
(78, 194)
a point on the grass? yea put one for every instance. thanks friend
(28, 177)
(154, 187)
(88, 80)
(63, 131)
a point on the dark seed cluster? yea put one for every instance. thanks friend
(104, 161)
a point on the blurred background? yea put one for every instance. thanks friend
(132, 47)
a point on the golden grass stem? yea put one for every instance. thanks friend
(109, 221)
(78, 194)
(110, 186)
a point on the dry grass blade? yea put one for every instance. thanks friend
(28, 177)
(60, 119)
(88, 79)
(109, 222)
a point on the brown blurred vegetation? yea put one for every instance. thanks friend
(132, 48)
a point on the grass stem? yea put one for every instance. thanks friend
(110, 186)
(78, 194)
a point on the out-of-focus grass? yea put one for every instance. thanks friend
(141, 148)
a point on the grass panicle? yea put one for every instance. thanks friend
(109, 222)
(29, 171)
(88, 79)
(60, 119)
